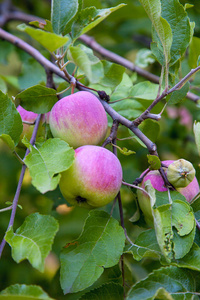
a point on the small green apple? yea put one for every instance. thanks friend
(180, 173)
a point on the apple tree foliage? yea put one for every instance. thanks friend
(142, 59)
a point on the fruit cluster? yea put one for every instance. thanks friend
(95, 177)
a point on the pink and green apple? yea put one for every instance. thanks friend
(94, 179)
(189, 191)
(79, 119)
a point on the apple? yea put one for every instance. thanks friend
(30, 116)
(189, 192)
(94, 179)
(180, 173)
(79, 119)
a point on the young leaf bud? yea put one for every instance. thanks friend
(180, 173)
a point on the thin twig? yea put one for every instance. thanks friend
(16, 197)
(6, 208)
(135, 187)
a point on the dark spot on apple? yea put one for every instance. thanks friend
(80, 199)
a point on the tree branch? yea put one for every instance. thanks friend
(90, 41)
(49, 66)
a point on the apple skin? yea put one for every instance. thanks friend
(30, 116)
(189, 192)
(94, 179)
(79, 119)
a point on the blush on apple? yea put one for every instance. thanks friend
(79, 119)
(30, 117)
(94, 179)
(189, 192)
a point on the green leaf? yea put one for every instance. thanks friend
(109, 291)
(179, 95)
(146, 245)
(194, 52)
(113, 74)
(177, 17)
(10, 121)
(49, 40)
(99, 246)
(196, 129)
(88, 63)
(24, 292)
(154, 162)
(144, 57)
(47, 26)
(33, 239)
(8, 140)
(175, 228)
(63, 12)
(124, 150)
(90, 17)
(123, 89)
(45, 163)
(177, 282)
(144, 90)
(190, 260)
(38, 99)
(128, 108)
(161, 26)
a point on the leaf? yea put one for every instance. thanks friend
(190, 260)
(47, 26)
(24, 292)
(196, 129)
(179, 95)
(45, 163)
(129, 108)
(113, 74)
(144, 57)
(124, 150)
(38, 99)
(123, 89)
(10, 121)
(176, 16)
(194, 52)
(179, 283)
(161, 26)
(175, 228)
(144, 90)
(63, 12)
(90, 17)
(154, 162)
(99, 246)
(88, 63)
(146, 245)
(49, 40)
(33, 239)
(8, 140)
(109, 291)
